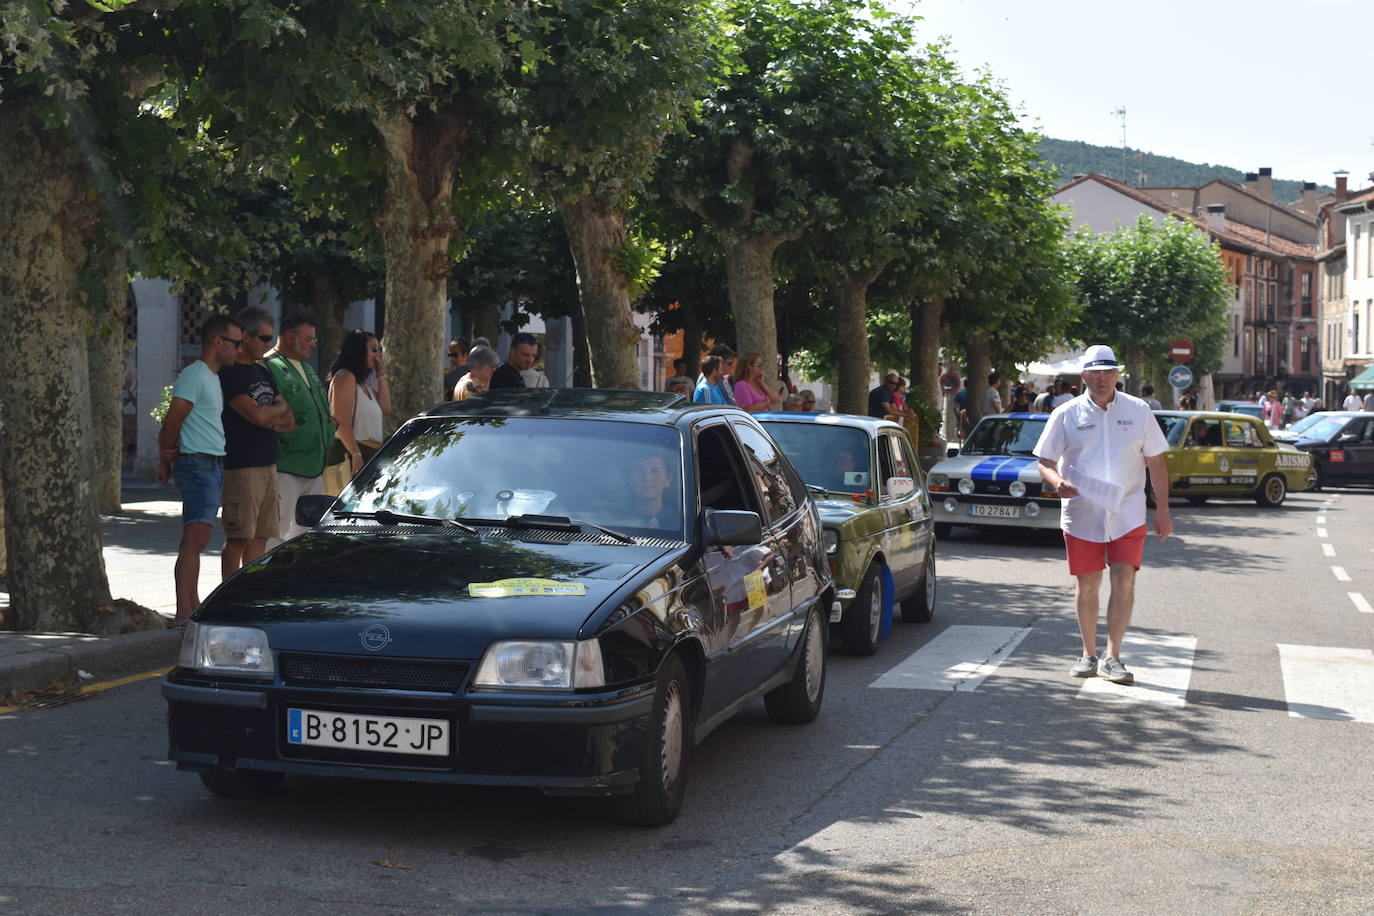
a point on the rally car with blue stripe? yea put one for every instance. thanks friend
(994, 479)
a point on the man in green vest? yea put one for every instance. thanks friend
(300, 468)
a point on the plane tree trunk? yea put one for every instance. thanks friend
(596, 235)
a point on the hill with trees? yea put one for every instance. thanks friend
(1073, 157)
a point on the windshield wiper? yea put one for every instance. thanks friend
(387, 517)
(817, 488)
(562, 523)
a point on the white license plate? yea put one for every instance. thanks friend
(994, 511)
(382, 734)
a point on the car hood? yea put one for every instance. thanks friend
(998, 468)
(836, 510)
(322, 591)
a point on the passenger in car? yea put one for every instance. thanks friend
(649, 479)
(1206, 434)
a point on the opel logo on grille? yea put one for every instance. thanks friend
(375, 638)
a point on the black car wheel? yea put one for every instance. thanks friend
(240, 783)
(943, 529)
(799, 700)
(657, 797)
(864, 618)
(1272, 491)
(919, 606)
(1317, 485)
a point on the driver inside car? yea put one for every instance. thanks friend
(649, 479)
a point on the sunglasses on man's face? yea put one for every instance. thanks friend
(236, 341)
(265, 338)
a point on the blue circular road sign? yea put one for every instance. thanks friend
(1180, 376)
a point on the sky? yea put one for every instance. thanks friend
(1279, 83)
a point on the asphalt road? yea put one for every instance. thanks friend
(986, 781)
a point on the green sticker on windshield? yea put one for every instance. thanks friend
(510, 588)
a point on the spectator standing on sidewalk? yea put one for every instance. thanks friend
(359, 411)
(1352, 402)
(708, 388)
(510, 374)
(253, 415)
(725, 383)
(752, 391)
(1101, 440)
(1147, 394)
(992, 395)
(1369, 402)
(300, 466)
(457, 361)
(482, 363)
(532, 377)
(191, 452)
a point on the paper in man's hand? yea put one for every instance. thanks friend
(1102, 493)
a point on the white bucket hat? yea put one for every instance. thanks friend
(1099, 357)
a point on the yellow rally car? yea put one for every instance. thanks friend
(1230, 454)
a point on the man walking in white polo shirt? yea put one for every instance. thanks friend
(1094, 451)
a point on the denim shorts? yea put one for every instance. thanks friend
(200, 481)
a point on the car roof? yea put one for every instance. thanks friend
(1240, 403)
(872, 424)
(1205, 414)
(586, 403)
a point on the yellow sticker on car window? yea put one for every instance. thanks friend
(510, 588)
(758, 590)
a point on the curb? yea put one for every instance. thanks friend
(103, 657)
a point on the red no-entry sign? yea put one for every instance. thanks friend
(1180, 351)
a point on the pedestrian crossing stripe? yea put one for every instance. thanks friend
(1323, 682)
(1319, 682)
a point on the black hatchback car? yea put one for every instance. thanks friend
(1341, 444)
(562, 589)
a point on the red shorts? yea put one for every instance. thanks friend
(1092, 556)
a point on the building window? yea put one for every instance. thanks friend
(1273, 301)
(1306, 293)
(1369, 254)
(1306, 344)
(1355, 252)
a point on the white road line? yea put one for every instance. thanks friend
(1328, 549)
(1162, 666)
(1328, 683)
(1361, 603)
(958, 659)
(1321, 533)
(1340, 574)
(1321, 519)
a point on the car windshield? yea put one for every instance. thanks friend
(1003, 436)
(1307, 422)
(1252, 410)
(833, 457)
(624, 476)
(1174, 428)
(1324, 428)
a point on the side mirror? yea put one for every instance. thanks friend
(898, 487)
(952, 452)
(720, 528)
(310, 509)
(1347, 437)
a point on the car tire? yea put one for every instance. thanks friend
(240, 783)
(943, 529)
(1319, 482)
(919, 606)
(657, 796)
(863, 619)
(1272, 491)
(1195, 500)
(799, 700)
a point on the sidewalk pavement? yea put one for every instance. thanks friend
(140, 550)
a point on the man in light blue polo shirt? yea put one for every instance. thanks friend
(191, 452)
(708, 389)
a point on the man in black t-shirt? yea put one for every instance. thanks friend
(880, 398)
(458, 360)
(523, 349)
(253, 415)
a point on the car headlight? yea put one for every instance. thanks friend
(832, 540)
(1017, 489)
(241, 651)
(966, 486)
(543, 664)
(938, 482)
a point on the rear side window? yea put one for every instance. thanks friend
(1240, 434)
(769, 470)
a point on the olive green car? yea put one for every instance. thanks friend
(1217, 454)
(875, 512)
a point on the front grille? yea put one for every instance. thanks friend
(376, 673)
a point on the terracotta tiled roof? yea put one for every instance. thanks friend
(1357, 200)
(1332, 253)
(1235, 234)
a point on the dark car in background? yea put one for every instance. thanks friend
(1249, 408)
(556, 588)
(879, 534)
(1341, 444)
